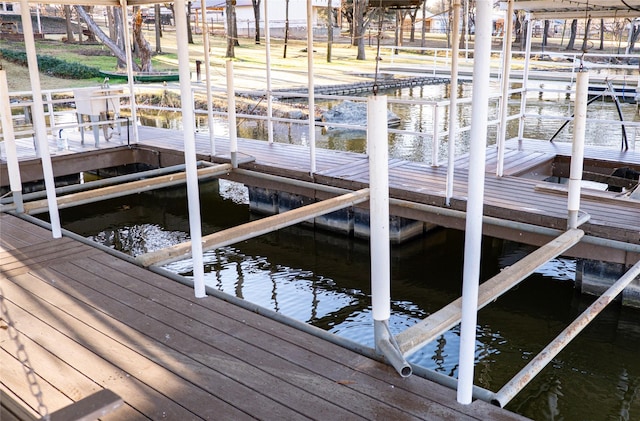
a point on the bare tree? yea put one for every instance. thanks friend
(230, 44)
(158, 25)
(108, 42)
(68, 24)
(329, 30)
(585, 40)
(572, 34)
(143, 46)
(286, 27)
(256, 16)
(360, 23)
(189, 31)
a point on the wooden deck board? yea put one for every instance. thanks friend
(104, 323)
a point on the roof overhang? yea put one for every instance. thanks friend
(539, 9)
(574, 9)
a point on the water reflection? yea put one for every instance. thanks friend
(323, 279)
(418, 121)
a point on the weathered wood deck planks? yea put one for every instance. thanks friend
(90, 321)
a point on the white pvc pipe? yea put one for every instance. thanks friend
(267, 37)
(435, 149)
(188, 130)
(379, 206)
(39, 121)
(13, 167)
(577, 149)
(231, 115)
(127, 49)
(207, 73)
(453, 100)
(475, 197)
(504, 100)
(525, 77)
(312, 102)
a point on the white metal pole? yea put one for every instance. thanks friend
(577, 150)
(188, 131)
(435, 148)
(453, 100)
(525, 77)
(207, 73)
(231, 115)
(379, 206)
(312, 104)
(475, 197)
(267, 37)
(38, 18)
(127, 49)
(13, 167)
(504, 100)
(39, 121)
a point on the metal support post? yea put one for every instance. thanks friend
(525, 78)
(377, 139)
(453, 100)
(15, 181)
(435, 148)
(312, 103)
(207, 75)
(267, 37)
(39, 122)
(231, 115)
(188, 124)
(132, 93)
(504, 99)
(577, 149)
(473, 228)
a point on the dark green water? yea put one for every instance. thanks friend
(323, 279)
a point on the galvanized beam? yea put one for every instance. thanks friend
(254, 228)
(444, 319)
(119, 190)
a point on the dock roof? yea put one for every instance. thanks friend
(540, 9)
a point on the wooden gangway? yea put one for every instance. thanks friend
(89, 321)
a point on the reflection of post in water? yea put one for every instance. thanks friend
(218, 270)
(240, 280)
(314, 300)
(438, 357)
(627, 391)
(274, 291)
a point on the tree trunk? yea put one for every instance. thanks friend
(108, 42)
(601, 34)
(256, 16)
(236, 39)
(572, 34)
(586, 35)
(144, 48)
(189, 31)
(412, 36)
(329, 30)
(230, 44)
(158, 26)
(68, 24)
(359, 26)
(286, 27)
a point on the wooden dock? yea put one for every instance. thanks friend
(89, 321)
(520, 195)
